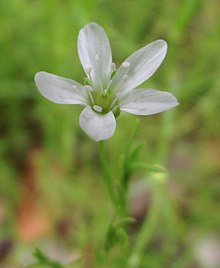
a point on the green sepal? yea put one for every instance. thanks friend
(116, 236)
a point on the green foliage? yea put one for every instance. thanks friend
(50, 171)
(116, 236)
(43, 260)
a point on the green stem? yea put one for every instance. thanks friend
(127, 172)
(145, 233)
(106, 176)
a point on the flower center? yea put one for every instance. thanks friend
(103, 102)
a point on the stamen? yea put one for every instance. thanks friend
(115, 109)
(113, 103)
(88, 72)
(97, 108)
(91, 97)
(113, 67)
(126, 64)
(109, 84)
(97, 57)
(100, 82)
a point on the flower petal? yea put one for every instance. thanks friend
(95, 54)
(147, 101)
(139, 66)
(60, 90)
(97, 126)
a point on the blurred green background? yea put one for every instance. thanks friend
(51, 193)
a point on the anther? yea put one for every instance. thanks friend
(88, 70)
(97, 108)
(113, 66)
(126, 64)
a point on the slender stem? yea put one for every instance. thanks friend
(106, 176)
(127, 172)
(145, 233)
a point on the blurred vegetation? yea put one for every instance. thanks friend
(51, 193)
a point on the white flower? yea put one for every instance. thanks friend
(108, 92)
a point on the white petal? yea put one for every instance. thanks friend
(147, 101)
(139, 66)
(95, 54)
(60, 90)
(97, 126)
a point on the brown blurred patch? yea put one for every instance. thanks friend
(88, 256)
(6, 246)
(212, 154)
(32, 219)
